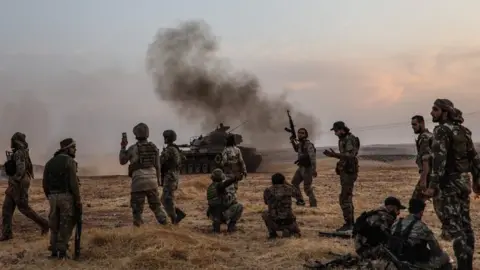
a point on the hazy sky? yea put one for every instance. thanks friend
(79, 65)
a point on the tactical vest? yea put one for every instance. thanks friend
(457, 154)
(57, 174)
(215, 199)
(348, 165)
(403, 249)
(303, 156)
(147, 155)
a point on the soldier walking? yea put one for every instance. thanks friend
(307, 166)
(16, 195)
(452, 159)
(144, 169)
(170, 160)
(347, 169)
(61, 187)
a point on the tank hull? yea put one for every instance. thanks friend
(205, 163)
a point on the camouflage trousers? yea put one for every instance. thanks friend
(305, 175)
(137, 202)
(232, 214)
(274, 225)
(230, 173)
(455, 195)
(61, 220)
(347, 182)
(170, 185)
(438, 262)
(17, 197)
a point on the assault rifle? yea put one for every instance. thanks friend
(78, 233)
(344, 235)
(400, 265)
(347, 260)
(291, 130)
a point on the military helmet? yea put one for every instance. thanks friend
(217, 175)
(141, 131)
(170, 134)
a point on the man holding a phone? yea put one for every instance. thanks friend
(144, 169)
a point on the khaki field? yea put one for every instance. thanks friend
(110, 242)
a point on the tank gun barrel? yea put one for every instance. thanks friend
(183, 145)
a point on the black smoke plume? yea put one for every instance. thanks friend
(187, 72)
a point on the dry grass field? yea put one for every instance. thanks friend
(110, 241)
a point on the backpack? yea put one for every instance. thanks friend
(361, 225)
(398, 243)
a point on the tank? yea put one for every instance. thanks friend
(204, 153)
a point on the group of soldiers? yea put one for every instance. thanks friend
(445, 158)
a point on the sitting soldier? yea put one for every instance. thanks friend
(222, 202)
(372, 228)
(279, 216)
(412, 241)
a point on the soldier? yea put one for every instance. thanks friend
(279, 216)
(372, 228)
(232, 160)
(414, 242)
(453, 157)
(61, 187)
(171, 159)
(423, 154)
(16, 194)
(347, 168)
(307, 166)
(222, 201)
(144, 169)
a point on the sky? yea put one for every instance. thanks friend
(77, 68)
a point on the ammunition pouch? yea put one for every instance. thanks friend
(348, 165)
(304, 161)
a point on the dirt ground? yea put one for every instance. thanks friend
(110, 242)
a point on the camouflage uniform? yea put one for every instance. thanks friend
(418, 239)
(171, 158)
(222, 201)
(16, 194)
(279, 216)
(62, 188)
(423, 144)
(307, 165)
(144, 169)
(379, 222)
(347, 168)
(232, 162)
(452, 158)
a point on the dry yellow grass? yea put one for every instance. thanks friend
(110, 241)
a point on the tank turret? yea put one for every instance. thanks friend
(204, 153)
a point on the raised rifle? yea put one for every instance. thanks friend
(293, 134)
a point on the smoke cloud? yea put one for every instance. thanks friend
(188, 73)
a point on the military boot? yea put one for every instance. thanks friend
(286, 233)
(301, 203)
(180, 215)
(62, 255)
(216, 227)
(272, 235)
(6, 237)
(45, 230)
(53, 255)
(232, 226)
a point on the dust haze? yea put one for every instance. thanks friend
(188, 73)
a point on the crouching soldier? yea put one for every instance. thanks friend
(222, 202)
(61, 187)
(279, 216)
(372, 230)
(414, 242)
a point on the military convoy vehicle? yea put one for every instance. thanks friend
(204, 153)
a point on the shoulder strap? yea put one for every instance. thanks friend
(398, 229)
(409, 228)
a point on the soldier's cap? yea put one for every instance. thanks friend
(416, 205)
(395, 202)
(67, 143)
(338, 125)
